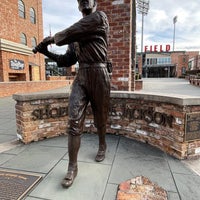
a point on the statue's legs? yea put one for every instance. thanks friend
(89, 86)
(73, 148)
(77, 106)
(102, 144)
(100, 102)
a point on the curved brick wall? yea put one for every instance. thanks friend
(171, 123)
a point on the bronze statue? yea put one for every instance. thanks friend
(87, 43)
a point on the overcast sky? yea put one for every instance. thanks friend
(158, 24)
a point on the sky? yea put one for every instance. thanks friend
(158, 26)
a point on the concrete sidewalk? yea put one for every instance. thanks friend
(171, 86)
(125, 159)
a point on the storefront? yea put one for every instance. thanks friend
(15, 63)
(158, 65)
(158, 61)
(155, 71)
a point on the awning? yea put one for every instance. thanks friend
(32, 64)
(159, 66)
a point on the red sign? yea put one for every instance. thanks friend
(157, 48)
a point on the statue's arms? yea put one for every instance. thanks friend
(66, 60)
(88, 26)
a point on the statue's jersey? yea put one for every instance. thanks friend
(87, 39)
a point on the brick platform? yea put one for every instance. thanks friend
(170, 123)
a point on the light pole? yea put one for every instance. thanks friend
(174, 22)
(143, 8)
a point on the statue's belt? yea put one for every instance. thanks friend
(92, 65)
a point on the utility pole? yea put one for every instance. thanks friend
(174, 22)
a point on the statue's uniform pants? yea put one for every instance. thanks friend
(92, 84)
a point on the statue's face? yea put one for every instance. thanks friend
(86, 6)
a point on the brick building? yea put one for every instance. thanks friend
(21, 29)
(194, 63)
(166, 64)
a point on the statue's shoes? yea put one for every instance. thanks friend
(69, 178)
(100, 155)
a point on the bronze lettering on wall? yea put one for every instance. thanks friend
(148, 115)
(123, 111)
(192, 126)
(47, 112)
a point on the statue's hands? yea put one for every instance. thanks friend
(48, 40)
(42, 46)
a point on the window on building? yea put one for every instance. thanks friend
(33, 42)
(158, 61)
(154, 61)
(21, 8)
(32, 16)
(189, 65)
(183, 70)
(165, 60)
(184, 59)
(169, 61)
(23, 39)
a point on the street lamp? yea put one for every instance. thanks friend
(174, 22)
(143, 8)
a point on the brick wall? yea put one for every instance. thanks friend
(119, 16)
(10, 88)
(180, 59)
(157, 120)
(38, 129)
